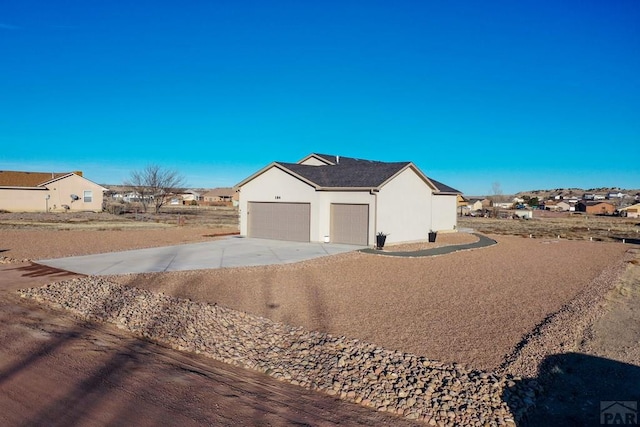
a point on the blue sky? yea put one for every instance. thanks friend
(527, 94)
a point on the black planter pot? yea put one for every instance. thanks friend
(380, 241)
(432, 236)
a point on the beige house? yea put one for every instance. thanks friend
(565, 207)
(324, 198)
(476, 205)
(185, 198)
(632, 211)
(49, 192)
(221, 195)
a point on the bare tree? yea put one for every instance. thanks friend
(496, 188)
(496, 197)
(154, 184)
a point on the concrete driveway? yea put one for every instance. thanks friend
(231, 251)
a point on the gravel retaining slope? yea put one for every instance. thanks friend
(470, 307)
(360, 372)
(563, 330)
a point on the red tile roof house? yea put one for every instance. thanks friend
(326, 198)
(49, 192)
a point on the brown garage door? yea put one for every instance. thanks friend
(282, 221)
(350, 224)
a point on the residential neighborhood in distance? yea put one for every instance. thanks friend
(71, 191)
(594, 201)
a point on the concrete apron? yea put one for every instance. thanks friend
(230, 251)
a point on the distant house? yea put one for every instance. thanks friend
(523, 213)
(615, 195)
(478, 202)
(189, 196)
(476, 205)
(502, 205)
(632, 211)
(326, 198)
(220, 195)
(596, 208)
(49, 192)
(123, 194)
(565, 206)
(572, 200)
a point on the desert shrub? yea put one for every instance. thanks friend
(193, 203)
(118, 208)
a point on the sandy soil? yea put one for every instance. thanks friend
(34, 244)
(58, 371)
(470, 307)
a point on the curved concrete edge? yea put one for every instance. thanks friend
(483, 241)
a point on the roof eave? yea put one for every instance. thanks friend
(55, 179)
(18, 187)
(416, 170)
(44, 184)
(317, 157)
(375, 189)
(282, 168)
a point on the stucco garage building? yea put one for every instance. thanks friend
(344, 200)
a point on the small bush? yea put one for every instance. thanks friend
(118, 208)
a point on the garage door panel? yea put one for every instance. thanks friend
(350, 224)
(281, 221)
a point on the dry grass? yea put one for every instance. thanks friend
(181, 216)
(567, 226)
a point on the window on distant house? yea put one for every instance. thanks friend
(88, 196)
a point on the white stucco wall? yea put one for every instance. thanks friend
(445, 216)
(274, 185)
(59, 192)
(403, 208)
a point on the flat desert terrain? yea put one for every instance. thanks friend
(506, 308)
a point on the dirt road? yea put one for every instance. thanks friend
(56, 370)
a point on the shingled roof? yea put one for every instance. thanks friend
(443, 188)
(29, 179)
(347, 172)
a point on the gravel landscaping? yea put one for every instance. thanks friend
(471, 307)
(386, 380)
(442, 339)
